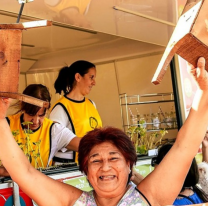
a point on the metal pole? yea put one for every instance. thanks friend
(144, 16)
(176, 93)
(16, 197)
(20, 12)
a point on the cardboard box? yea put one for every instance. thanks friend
(189, 39)
(10, 54)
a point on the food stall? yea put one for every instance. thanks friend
(125, 59)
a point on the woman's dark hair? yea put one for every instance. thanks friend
(66, 78)
(108, 134)
(192, 177)
(38, 91)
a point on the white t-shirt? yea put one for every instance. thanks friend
(61, 137)
(59, 115)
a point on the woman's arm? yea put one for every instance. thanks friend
(64, 138)
(205, 148)
(74, 144)
(136, 178)
(163, 185)
(44, 190)
(3, 172)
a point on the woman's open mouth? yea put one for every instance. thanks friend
(109, 177)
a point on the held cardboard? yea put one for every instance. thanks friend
(10, 51)
(10, 54)
(189, 39)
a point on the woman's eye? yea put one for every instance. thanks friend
(114, 158)
(96, 161)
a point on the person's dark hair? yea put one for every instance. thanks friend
(38, 91)
(192, 177)
(162, 151)
(66, 78)
(108, 134)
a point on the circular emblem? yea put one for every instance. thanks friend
(93, 122)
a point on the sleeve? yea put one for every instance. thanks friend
(60, 138)
(59, 115)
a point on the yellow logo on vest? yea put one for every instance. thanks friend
(93, 122)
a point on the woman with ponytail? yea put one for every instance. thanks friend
(73, 109)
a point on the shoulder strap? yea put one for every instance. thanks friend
(91, 101)
(8, 120)
(143, 196)
(184, 196)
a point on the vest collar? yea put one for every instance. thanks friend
(76, 101)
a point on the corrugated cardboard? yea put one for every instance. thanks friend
(189, 39)
(10, 54)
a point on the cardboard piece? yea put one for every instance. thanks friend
(189, 39)
(10, 54)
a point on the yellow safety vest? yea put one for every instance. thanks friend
(37, 146)
(82, 115)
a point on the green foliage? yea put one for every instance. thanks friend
(143, 140)
(26, 123)
(15, 133)
(25, 144)
(142, 149)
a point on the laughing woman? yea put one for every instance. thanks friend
(107, 156)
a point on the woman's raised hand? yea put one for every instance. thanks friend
(4, 105)
(200, 74)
